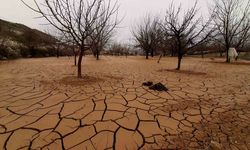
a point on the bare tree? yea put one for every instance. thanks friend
(69, 42)
(65, 40)
(187, 31)
(75, 51)
(232, 21)
(76, 18)
(119, 49)
(148, 35)
(101, 35)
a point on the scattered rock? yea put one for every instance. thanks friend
(149, 83)
(158, 87)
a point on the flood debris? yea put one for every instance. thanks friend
(149, 83)
(157, 87)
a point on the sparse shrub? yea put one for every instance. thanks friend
(24, 52)
(13, 53)
(148, 35)
(3, 53)
(9, 53)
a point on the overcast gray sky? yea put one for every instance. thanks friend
(131, 10)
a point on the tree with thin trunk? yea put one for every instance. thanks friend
(148, 35)
(75, 51)
(232, 21)
(101, 35)
(58, 38)
(70, 43)
(119, 49)
(76, 18)
(186, 29)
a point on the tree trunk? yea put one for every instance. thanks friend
(32, 51)
(94, 53)
(202, 54)
(159, 59)
(79, 71)
(75, 55)
(180, 54)
(179, 62)
(227, 56)
(147, 54)
(57, 52)
(97, 55)
(221, 53)
(152, 53)
(164, 54)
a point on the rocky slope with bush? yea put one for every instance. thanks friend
(17, 40)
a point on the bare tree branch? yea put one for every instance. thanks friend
(148, 35)
(232, 21)
(79, 19)
(187, 31)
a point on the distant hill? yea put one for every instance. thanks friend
(18, 40)
(23, 34)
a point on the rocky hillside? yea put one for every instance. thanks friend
(17, 40)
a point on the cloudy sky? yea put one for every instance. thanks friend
(132, 12)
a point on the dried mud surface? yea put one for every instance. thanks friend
(44, 106)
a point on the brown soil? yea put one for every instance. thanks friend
(188, 72)
(44, 106)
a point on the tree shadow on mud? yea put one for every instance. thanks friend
(86, 80)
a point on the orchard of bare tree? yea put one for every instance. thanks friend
(123, 74)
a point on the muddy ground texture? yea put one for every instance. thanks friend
(43, 105)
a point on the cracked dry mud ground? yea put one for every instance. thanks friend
(43, 105)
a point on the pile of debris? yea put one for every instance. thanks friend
(157, 87)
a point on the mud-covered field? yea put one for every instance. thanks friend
(44, 106)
